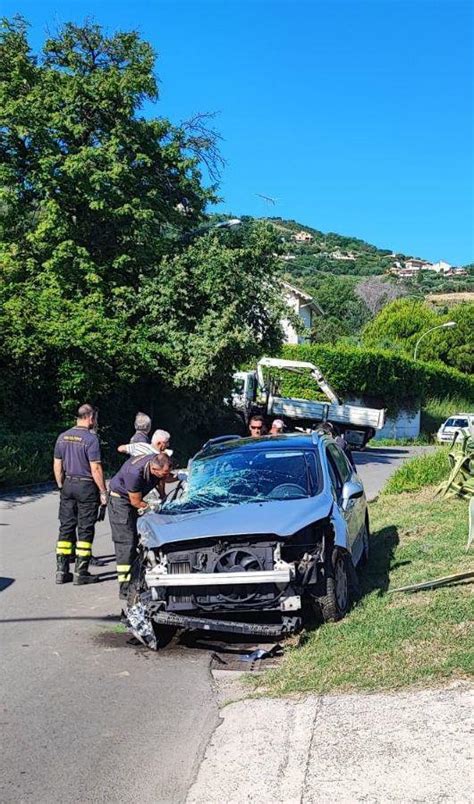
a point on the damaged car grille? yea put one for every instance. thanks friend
(219, 560)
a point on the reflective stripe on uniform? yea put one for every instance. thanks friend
(123, 571)
(83, 549)
(63, 548)
(84, 545)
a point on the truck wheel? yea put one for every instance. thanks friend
(334, 604)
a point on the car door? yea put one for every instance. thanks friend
(340, 471)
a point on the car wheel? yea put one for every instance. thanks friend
(334, 604)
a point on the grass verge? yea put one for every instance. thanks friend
(390, 641)
(418, 472)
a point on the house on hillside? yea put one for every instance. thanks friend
(441, 267)
(306, 308)
(303, 237)
(414, 264)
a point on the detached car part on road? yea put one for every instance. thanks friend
(268, 532)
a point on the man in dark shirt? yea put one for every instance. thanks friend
(136, 478)
(142, 429)
(80, 478)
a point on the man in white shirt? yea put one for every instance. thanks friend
(159, 443)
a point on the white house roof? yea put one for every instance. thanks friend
(304, 297)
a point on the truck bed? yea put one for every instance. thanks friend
(309, 409)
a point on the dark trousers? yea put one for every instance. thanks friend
(78, 509)
(123, 523)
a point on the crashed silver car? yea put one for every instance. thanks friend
(267, 533)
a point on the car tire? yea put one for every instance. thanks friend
(334, 604)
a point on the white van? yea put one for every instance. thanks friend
(461, 422)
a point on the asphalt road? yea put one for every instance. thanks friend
(376, 464)
(85, 716)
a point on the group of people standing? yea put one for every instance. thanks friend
(84, 497)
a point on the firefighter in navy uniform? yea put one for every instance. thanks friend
(136, 478)
(80, 478)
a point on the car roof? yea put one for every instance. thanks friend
(270, 442)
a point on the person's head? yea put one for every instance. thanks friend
(142, 423)
(159, 466)
(278, 427)
(87, 416)
(256, 426)
(325, 428)
(160, 440)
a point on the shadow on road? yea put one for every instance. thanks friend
(375, 456)
(5, 583)
(27, 494)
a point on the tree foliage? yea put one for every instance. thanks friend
(400, 324)
(106, 293)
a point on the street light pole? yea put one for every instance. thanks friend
(446, 325)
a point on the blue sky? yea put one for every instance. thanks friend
(357, 115)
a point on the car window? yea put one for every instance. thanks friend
(341, 462)
(259, 475)
(336, 480)
(313, 471)
(453, 422)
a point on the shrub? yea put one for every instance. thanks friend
(379, 377)
(423, 470)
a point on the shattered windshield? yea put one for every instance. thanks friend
(247, 476)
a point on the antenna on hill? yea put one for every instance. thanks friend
(268, 199)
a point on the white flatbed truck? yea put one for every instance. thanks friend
(257, 392)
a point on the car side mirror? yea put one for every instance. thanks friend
(351, 490)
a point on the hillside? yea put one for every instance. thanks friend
(330, 252)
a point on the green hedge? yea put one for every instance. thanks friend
(380, 378)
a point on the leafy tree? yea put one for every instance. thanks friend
(344, 312)
(399, 325)
(106, 293)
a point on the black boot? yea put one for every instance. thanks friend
(62, 569)
(81, 572)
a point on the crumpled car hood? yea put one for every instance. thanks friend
(280, 517)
